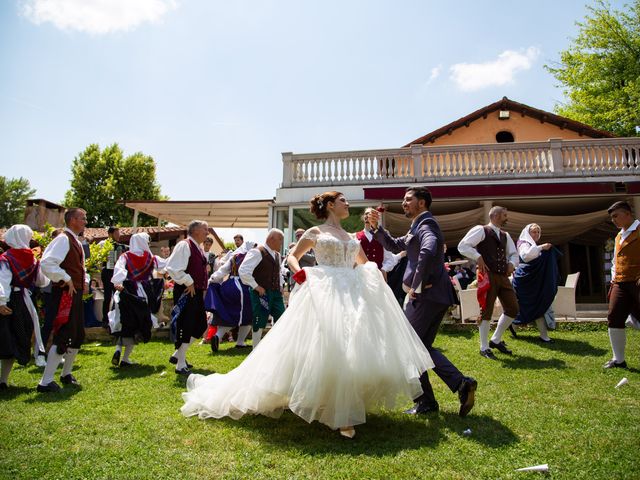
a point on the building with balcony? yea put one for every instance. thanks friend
(544, 168)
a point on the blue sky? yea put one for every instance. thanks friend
(215, 91)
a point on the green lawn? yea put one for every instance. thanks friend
(545, 404)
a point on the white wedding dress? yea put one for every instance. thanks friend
(343, 347)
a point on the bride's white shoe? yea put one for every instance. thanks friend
(348, 432)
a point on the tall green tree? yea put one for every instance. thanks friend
(14, 193)
(101, 180)
(600, 71)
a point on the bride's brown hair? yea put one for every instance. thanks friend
(318, 204)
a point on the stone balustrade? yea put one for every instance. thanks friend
(555, 158)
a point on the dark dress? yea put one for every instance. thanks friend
(536, 285)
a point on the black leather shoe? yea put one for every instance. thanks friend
(215, 344)
(115, 360)
(501, 347)
(69, 380)
(488, 354)
(183, 371)
(542, 340)
(243, 346)
(124, 364)
(52, 387)
(422, 408)
(467, 395)
(173, 360)
(614, 364)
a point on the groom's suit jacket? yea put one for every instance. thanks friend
(425, 270)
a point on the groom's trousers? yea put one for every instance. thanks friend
(425, 318)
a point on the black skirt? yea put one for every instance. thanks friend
(16, 330)
(135, 314)
(192, 321)
(71, 334)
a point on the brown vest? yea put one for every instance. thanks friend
(267, 272)
(73, 263)
(494, 251)
(628, 258)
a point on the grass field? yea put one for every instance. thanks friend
(546, 404)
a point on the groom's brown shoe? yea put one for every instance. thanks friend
(467, 395)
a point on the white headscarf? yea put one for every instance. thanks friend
(18, 236)
(525, 236)
(139, 243)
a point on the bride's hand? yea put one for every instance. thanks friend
(374, 218)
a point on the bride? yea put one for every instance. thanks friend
(342, 348)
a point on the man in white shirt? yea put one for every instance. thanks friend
(261, 271)
(624, 293)
(63, 263)
(187, 266)
(496, 256)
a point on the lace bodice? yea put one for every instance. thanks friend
(333, 252)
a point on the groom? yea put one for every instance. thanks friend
(429, 294)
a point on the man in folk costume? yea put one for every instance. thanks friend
(187, 266)
(429, 295)
(374, 251)
(624, 292)
(19, 272)
(139, 295)
(63, 262)
(496, 256)
(107, 272)
(229, 300)
(261, 270)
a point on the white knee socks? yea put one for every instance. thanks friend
(542, 328)
(243, 331)
(53, 360)
(618, 339)
(484, 327)
(5, 370)
(68, 362)
(221, 331)
(256, 336)
(127, 351)
(503, 323)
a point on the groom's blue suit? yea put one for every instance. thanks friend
(425, 273)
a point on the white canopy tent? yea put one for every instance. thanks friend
(217, 213)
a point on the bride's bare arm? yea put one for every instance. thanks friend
(361, 258)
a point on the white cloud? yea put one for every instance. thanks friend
(96, 16)
(435, 73)
(494, 73)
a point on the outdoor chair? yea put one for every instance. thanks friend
(565, 301)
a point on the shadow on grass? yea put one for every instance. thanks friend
(63, 395)
(14, 391)
(531, 363)
(570, 347)
(136, 371)
(232, 352)
(382, 435)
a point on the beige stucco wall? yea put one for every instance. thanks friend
(523, 129)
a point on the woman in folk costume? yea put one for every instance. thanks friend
(139, 295)
(342, 348)
(229, 300)
(19, 271)
(535, 281)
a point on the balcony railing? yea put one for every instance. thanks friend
(418, 163)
